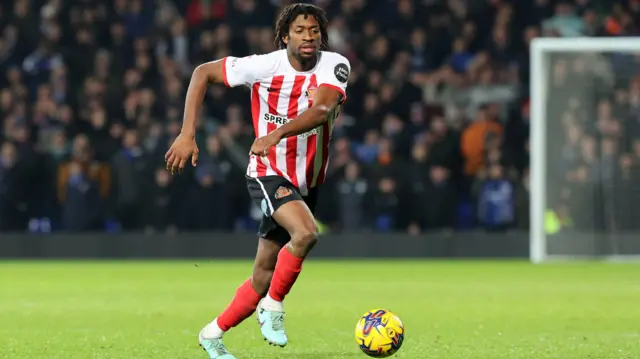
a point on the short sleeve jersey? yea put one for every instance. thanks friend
(279, 94)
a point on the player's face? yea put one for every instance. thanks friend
(304, 37)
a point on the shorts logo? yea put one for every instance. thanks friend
(341, 71)
(282, 192)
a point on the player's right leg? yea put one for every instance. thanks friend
(244, 302)
(294, 217)
(287, 218)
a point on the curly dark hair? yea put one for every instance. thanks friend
(289, 15)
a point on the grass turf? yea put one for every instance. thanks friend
(466, 310)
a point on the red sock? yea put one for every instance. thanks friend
(244, 303)
(287, 269)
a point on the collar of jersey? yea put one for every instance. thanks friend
(286, 59)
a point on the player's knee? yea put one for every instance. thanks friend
(306, 237)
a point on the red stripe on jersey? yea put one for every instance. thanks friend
(312, 140)
(292, 142)
(255, 108)
(326, 131)
(274, 97)
(255, 115)
(224, 72)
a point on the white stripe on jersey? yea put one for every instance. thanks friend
(262, 124)
(283, 108)
(301, 158)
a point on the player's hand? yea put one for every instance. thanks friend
(178, 155)
(261, 146)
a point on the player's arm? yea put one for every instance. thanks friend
(202, 76)
(231, 71)
(325, 102)
(185, 147)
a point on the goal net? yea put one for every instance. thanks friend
(585, 148)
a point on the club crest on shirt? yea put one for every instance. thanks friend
(282, 192)
(311, 91)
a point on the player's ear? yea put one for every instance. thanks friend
(285, 39)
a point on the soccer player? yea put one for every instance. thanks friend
(296, 93)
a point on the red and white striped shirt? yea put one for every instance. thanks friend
(279, 94)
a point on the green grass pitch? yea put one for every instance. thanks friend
(465, 310)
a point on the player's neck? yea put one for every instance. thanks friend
(302, 65)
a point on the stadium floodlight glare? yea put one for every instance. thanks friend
(601, 56)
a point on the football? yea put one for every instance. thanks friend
(379, 333)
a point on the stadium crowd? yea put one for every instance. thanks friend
(434, 135)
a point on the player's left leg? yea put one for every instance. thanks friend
(244, 302)
(296, 217)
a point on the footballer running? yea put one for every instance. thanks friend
(296, 93)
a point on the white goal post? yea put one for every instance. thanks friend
(542, 51)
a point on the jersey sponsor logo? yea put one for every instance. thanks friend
(308, 134)
(279, 120)
(282, 192)
(341, 71)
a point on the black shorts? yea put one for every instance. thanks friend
(270, 193)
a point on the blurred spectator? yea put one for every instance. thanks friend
(129, 167)
(385, 207)
(83, 188)
(496, 199)
(160, 203)
(13, 191)
(476, 139)
(353, 192)
(565, 22)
